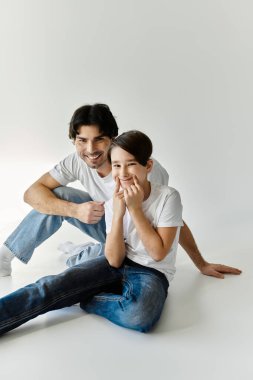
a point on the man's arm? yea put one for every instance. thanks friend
(41, 197)
(186, 240)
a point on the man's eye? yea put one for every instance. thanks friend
(116, 166)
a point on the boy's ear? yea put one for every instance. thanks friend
(149, 165)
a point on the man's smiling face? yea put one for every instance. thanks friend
(92, 146)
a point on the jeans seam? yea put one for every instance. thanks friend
(38, 308)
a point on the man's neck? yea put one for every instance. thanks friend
(104, 170)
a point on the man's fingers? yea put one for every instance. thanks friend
(226, 269)
(95, 220)
(218, 270)
(97, 213)
(97, 206)
(217, 275)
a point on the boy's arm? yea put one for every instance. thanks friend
(186, 240)
(115, 245)
(115, 249)
(156, 241)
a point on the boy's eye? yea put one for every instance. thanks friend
(116, 166)
(131, 164)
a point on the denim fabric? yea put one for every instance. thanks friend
(131, 296)
(140, 302)
(88, 252)
(36, 227)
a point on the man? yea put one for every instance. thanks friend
(92, 128)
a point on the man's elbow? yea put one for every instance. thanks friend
(27, 195)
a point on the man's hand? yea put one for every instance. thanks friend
(134, 195)
(218, 270)
(90, 212)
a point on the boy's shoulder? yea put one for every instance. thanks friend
(163, 189)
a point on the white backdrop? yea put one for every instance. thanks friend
(181, 71)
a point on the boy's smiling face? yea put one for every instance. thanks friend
(125, 166)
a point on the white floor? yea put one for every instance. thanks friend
(205, 331)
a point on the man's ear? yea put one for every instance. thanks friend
(149, 165)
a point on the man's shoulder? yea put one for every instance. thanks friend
(164, 191)
(74, 162)
(158, 173)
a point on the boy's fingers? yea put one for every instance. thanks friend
(117, 187)
(136, 181)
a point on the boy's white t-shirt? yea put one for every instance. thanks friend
(163, 208)
(73, 168)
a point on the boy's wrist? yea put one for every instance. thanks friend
(118, 218)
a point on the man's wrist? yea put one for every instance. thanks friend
(72, 210)
(200, 262)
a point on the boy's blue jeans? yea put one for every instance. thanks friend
(131, 296)
(36, 227)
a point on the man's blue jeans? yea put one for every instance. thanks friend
(36, 227)
(131, 296)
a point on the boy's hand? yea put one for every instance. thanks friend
(119, 206)
(134, 195)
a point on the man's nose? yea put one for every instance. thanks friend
(90, 147)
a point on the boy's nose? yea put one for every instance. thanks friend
(123, 172)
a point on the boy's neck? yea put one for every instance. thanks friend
(147, 190)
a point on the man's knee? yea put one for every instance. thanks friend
(71, 194)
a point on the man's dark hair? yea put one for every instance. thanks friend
(136, 143)
(96, 114)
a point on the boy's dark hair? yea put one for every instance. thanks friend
(136, 143)
(96, 114)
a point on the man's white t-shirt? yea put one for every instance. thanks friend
(73, 168)
(163, 208)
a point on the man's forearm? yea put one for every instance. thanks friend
(186, 240)
(44, 200)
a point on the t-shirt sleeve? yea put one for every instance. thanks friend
(108, 215)
(158, 174)
(65, 171)
(171, 214)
